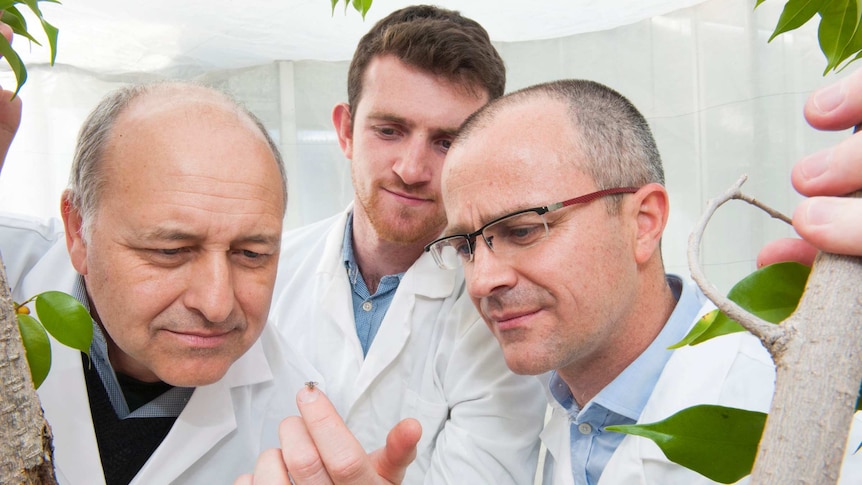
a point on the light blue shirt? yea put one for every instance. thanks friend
(168, 405)
(623, 400)
(368, 309)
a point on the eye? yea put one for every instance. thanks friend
(169, 252)
(462, 247)
(445, 144)
(250, 258)
(386, 132)
(523, 234)
(167, 257)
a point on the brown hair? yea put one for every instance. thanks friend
(439, 41)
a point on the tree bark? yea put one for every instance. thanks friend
(818, 371)
(26, 450)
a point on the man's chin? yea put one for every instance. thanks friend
(195, 374)
(522, 363)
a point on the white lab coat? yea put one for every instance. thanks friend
(222, 429)
(732, 370)
(433, 359)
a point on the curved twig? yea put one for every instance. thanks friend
(767, 332)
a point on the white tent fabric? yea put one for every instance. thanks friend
(720, 99)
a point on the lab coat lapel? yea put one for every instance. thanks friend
(337, 292)
(67, 409)
(556, 438)
(64, 393)
(416, 302)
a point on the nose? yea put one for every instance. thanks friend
(210, 291)
(488, 273)
(416, 162)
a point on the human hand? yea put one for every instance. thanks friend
(317, 448)
(10, 109)
(826, 221)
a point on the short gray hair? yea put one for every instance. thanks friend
(614, 136)
(87, 178)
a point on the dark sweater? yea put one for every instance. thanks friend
(124, 444)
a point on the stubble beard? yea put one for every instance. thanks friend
(407, 225)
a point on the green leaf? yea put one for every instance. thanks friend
(718, 442)
(65, 319)
(697, 330)
(795, 14)
(50, 31)
(837, 25)
(362, 6)
(772, 293)
(13, 18)
(14, 62)
(334, 3)
(37, 347)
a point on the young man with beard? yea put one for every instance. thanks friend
(390, 335)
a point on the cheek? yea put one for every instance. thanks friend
(253, 291)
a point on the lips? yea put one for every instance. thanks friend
(408, 197)
(201, 338)
(511, 319)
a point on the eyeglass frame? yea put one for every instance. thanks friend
(541, 210)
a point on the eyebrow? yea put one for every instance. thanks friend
(166, 234)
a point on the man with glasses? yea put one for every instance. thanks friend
(578, 287)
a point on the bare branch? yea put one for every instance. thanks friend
(767, 332)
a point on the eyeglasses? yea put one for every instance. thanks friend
(510, 233)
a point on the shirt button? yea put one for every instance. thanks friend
(585, 428)
(367, 306)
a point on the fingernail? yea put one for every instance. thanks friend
(828, 98)
(818, 213)
(815, 165)
(308, 395)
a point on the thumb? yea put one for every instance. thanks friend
(392, 460)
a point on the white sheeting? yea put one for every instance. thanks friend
(116, 36)
(720, 100)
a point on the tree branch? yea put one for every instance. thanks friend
(767, 332)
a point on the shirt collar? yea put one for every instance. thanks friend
(349, 257)
(347, 250)
(629, 392)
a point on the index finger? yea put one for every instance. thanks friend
(837, 106)
(342, 455)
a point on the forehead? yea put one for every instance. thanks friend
(391, 86)
(525, 155)
(197, 144)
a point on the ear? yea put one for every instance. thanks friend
(74, 240)
(652, 211)
(343, 128)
